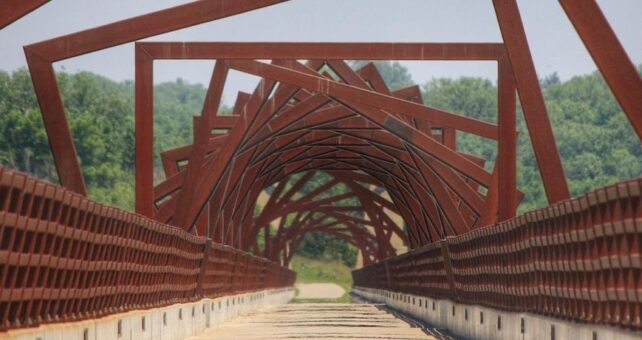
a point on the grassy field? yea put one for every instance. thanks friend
(315, 271)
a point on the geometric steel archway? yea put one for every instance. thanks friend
(422, 157)
(397, 144)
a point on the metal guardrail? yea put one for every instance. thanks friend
(576, 260)
(64, 257)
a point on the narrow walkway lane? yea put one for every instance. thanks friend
(316, 321)
(319, 291)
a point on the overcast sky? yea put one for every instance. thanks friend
(555, 45)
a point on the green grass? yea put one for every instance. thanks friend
(317, 271)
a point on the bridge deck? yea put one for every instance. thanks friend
(316, 321)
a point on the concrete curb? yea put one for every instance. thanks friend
(173, 322)
(477, 322)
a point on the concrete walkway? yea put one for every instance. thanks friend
(315, 321)
(319, 291)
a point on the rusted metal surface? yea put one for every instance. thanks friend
(12, 10)
(609, 56)
(578, 259)
(64, 258)
(532, 100)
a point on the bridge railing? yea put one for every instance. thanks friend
(64, 257)
(576, 260)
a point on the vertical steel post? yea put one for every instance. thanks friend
(507, 142)
(144, 134)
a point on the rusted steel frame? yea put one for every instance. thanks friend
(144, 130)
(324, 50)
(532, 100)
(291, 121)
(202, 137)
(356, 242)
(321, 151)
(451, 181)
(305, 203)
(609, 56)
(234, 209)
(171, 158)
(399, 194)
(441, 195)
(290, 115)
(233, 175)
(216, 169)
(407, 206)
(378, 224)
(286, 198)
(283, 238)
(268, 239)
(223, 122)
(370, 73)
(231, 206)
(174, 176)
(289, 150)
(385, 120)
(282, 97)
(338, 213)
(426, 209)
(287, 92)
(243, 216)
(328, 141)
(13, 10)
(359, 239)
(269, 215)
(507, 143)
(372, 164)
(465, 191)
(283, 233)
(299, 205)
(355, 178)
(340, 220)
(40, 57)
(248, 200)
(355, 95)
(365, 196)
(318, 207)
(274, 196)
(386, 182)
(353, 78)
(397, 200)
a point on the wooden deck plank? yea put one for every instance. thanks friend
(315, 321)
